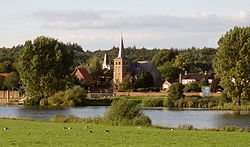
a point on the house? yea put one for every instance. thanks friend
(196, 77)
(4, 75)
(167, 84)
(83, 75)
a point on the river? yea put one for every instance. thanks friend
(199, 118)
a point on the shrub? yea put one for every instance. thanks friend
(192, 87)
(74, 96)
(124, 112)
(57, 99)
(168, 102)
(152, 103)
(43, 102)
(185, 127)
(31, 102)
(74, 119)
(175, 91)
(71, 97)
(142, 120)
(141, 89)
(231, 128)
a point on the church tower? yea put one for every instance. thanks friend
(121, 65)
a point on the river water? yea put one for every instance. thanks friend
(199, 118)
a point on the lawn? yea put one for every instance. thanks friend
(41, 133)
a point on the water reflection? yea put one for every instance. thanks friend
(199, 118)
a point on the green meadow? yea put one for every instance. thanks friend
(45, 133)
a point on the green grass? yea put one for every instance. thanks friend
(41, 133)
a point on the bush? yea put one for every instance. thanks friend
(142, 120)
(141, 89)
(168, 102)
(232, 128)
(192, 87)
(175, 91)
(152, 103)
(57, 99)
(74, 96)
(31, 102)
(185, 127)
(43, 102)
(71, 97)
(125, 112)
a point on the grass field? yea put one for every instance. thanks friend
(41, 133)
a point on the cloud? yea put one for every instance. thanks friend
(93, 19)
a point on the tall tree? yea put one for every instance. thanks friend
(44, 66)
(232, 62)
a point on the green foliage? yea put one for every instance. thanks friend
(144, 80)
(232, 128)
(152, 103)
(12, 82)
(185, 127)
(168, 102)
(44, 65)
(175, 91)
(43, 102)
(6, 66)
(71, 97)
(74, 96)
(232, 62)
(57, 99)
(126, 84)
(125, 112)
(192, 87)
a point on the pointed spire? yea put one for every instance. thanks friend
(105, 59)
(105, 64)
(121, 49)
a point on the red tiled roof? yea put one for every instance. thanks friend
(85, 75)
(4, 75)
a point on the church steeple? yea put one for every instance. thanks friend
(121, 49)
(105, 64)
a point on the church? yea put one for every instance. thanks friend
(122, 67)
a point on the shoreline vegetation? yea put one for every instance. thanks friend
(210, 103)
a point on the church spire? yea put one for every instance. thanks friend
(121, 49)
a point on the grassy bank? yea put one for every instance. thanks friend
(37, 133)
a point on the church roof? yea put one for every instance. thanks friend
(121, 49)
(85, 75)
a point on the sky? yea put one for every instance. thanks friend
(98, 24)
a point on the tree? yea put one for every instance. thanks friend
(232, 62)
(192, 87)
(175, 91)
(126, 84)
(44, 66)
(144, 80)
(181, 62)
(12, 82)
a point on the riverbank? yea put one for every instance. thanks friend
(33, 133)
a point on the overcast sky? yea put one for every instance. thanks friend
(97, 24)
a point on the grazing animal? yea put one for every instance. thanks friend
(69, 128)
(172, 129)
(91, 131)
(5, 128)
(140, 127)
(107, 130)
